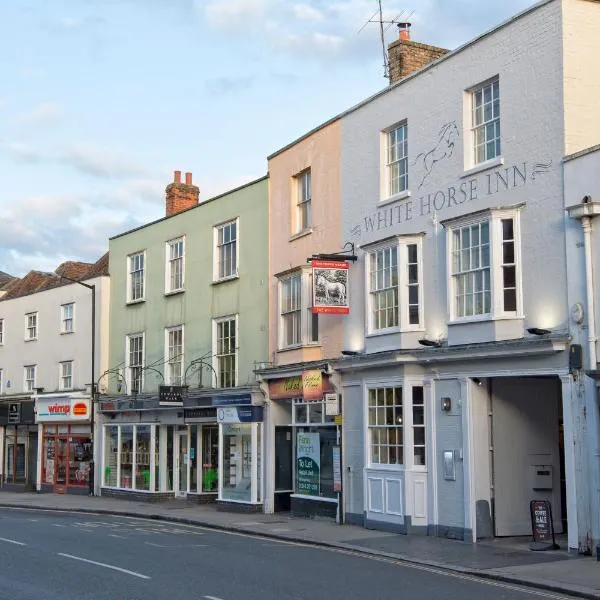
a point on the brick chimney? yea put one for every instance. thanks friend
(406, 57)
(181, 196)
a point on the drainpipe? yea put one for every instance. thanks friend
(585, 211)
(586, 224)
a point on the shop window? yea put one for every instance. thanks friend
(314, 461)
(310, 412)
(111, 459)
(237, 462)
(126, 456)
(15, 455)
(210, 458)
(142, 457)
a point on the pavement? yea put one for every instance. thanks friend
(506, 560)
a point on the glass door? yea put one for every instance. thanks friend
(62, 462)
(182, 463)
(210, 458)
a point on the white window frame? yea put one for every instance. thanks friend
(303, 201)
(62, 376)
(170, 263)
(131, 297)
(169, 360)
(2, 332)
(27, 387)
(307, 319)
(128, 367)
(402, 244)
(31, 328)
(387, 192)
(64, 320)
(481, 124)
(215, 348)
(495, 218)
(217, 250)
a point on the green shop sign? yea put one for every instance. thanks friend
(308, 464)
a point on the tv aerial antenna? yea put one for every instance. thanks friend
(384, 25)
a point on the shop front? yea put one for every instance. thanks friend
(141, 447)
(18, 444)
(240, 443)
(305, 421)
(64, 443)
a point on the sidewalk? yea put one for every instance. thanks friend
(504, 560)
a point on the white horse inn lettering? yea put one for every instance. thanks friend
(470, 190)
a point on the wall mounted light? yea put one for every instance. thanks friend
(538, 331)
(446, 403)
(351, 352)
(477, 381)
(430, 343)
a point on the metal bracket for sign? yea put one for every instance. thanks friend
(343, 255)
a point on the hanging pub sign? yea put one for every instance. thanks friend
(312, 384)
(330, 287)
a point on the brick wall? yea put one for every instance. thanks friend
(181, 196)
(406, 57)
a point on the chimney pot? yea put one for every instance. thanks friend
(188, 179)
(404, 31)
(177, 177)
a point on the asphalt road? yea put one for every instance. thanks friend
(59, 556)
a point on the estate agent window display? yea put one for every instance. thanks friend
(315, 436)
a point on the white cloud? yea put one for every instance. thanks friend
(232, 13)
(25, 153)
(46, 113)
(100, 162)
(306, 12)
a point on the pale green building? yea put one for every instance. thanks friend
(182, 412)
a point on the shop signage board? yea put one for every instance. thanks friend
(199, 415)
(542, 525)
(171, 395)
(14, 412)
(231, 400)
(62, 409)
(312, 384)
(330, 287)
(337, 469)
(288, 387)
(240, 414)
(308, 464)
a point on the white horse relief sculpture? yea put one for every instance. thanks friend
(335, 291)
(442, 150)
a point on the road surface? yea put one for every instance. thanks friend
(62, 556)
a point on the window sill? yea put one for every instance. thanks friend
(392, 331)
(394, 198)
(225, 279)
(131, 302)
(484, 166)
(485, 319)
(301, 234)
(300, 346)
(31, 339)
(175, 292)
(66, 332)
(314, 498)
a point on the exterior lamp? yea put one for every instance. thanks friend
(351, 352)
(538, 331)
(430, 343)
(446, 403)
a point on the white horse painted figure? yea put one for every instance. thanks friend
(335, 291)
(443, 149)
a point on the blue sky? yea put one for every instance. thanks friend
(100, 100)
